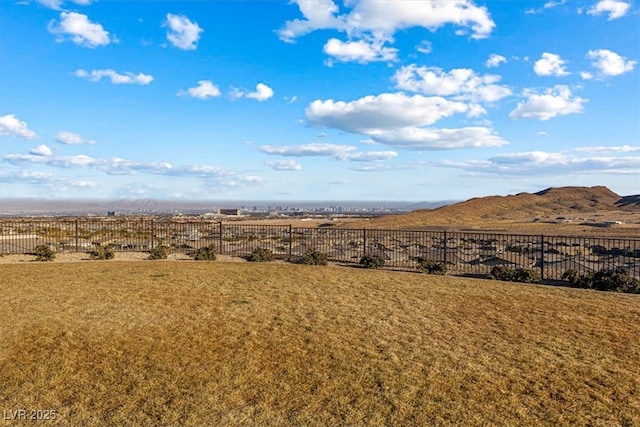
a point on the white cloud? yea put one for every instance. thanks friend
(115, 77)
(205, 89)
(41, 150)
(556, 101)
(495, 60)
(284, 165)
(462, 83)
(182, 33)
(70, 138)
(384, 111)
(425, 47)
(338, 152)
(11, 125)
(545, 164)
(49, 180)
(610, 149)
(550, 64)
(80, 30)
(262, 93)
(387, 17)
(615, 8)
(585, 75)
(360, 51)
(415, 138)
(551, 4)
(57, 4)
(609, 63)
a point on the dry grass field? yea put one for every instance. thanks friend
(187, 343)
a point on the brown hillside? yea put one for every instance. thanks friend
(495, 211)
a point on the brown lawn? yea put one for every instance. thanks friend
(187, 343)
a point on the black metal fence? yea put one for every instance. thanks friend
(463, 253)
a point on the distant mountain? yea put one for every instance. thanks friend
(552, 201)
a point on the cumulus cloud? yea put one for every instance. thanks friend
(70, 138)
(361, 51)
(57, 4)
(49, 180)
(205, 89)
(336, 151)
(550, 64)
(615, 8)
(182, 33)
(610, 149)
(425, 47)
(80, 30)
(610, 64)
(262, 93)
(11, 125)
(41, 150)
(462, 83)
(495, 60)
(415, 138)
(556, 101)
(387, 17)
(384, 111)
(284, 165)
(115, 77)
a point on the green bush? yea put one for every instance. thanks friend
(515, 274)
(312, 257)
(159, 252)
(44, 253)
(261, 255)
(102, 252)
(616, 280)
(432, 267)
(372, 261)
(205, 254)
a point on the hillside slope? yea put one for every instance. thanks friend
(552, 202)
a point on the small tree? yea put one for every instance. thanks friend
(44, 253)
(432, 267)
(313, 257)
(372, 261)
(102, 252)
(205, 254)
(159, 252)
(261, 255)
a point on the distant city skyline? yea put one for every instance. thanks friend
(317, 100)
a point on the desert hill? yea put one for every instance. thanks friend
(581, 204)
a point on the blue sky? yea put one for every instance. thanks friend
(316, 99)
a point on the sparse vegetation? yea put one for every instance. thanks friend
(207, 253)
(372, 261)
(432, 267)
(102, 252)
(313, 257)
(515, 274)
(616, 280)
(261, 255)
(44, 253)
(159, 252)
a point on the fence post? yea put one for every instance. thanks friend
(290, 240)
(152, 233)
(445, 247)
(220, 238)
(76, 233)
(364, 242)
(542, 257)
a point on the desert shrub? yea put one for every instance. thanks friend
(616, 280)
(515, 274)
(102, 252)
(372, 261)
(312, 257)
(44, 253)
(432, 267)
(261, 255)
(205, 254)
(159, 252)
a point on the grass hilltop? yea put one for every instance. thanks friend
(565, 209)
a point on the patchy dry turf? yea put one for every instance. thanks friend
(188, 343)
